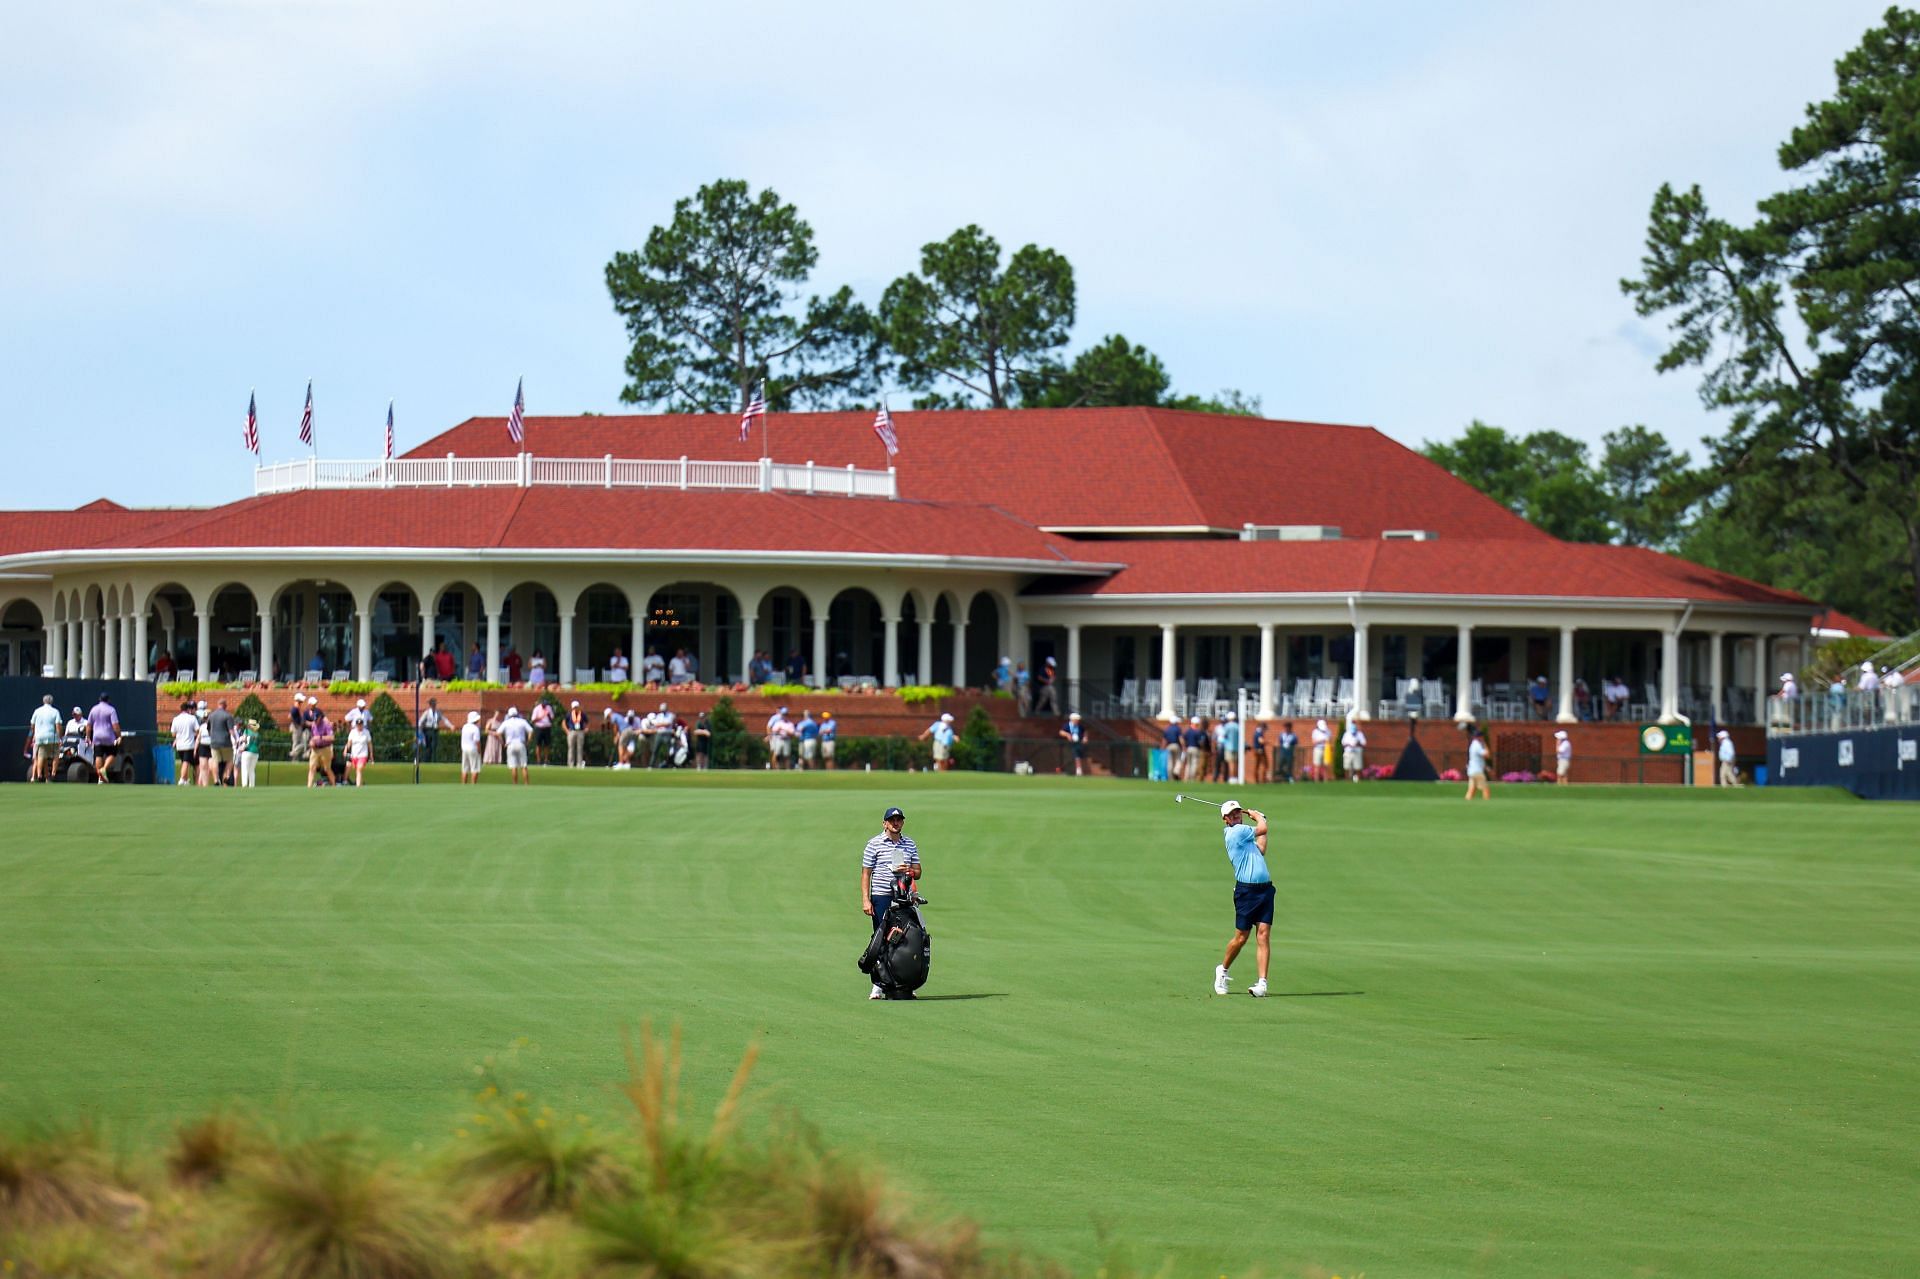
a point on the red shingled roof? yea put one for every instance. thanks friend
(1070, 468)
(1493, 568)
(1834, 620)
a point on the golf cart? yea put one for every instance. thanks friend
(75, 763)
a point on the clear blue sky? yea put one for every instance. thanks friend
(1400, 214)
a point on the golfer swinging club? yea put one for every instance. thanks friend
(1252, 893)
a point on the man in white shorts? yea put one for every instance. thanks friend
(470, 736)
(186, 732)
(779, 738)
(1477, 764)
(1562, 757)
(1353, 750)
(46, 725)
(516, 733)
(941, 731)
(1729, 771)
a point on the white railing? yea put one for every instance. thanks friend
(525, 470)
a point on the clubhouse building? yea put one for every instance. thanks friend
(1165, 560)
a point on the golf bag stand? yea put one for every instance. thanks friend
(899, 956)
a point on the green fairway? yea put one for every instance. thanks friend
(1590, 1033)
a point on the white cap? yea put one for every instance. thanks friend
(946, 717)
(1319, 723)
(1194, 720)
(1562, 734)
(202, 706)
(1231, 806)
(1050, 662)
(299, 697)
(663, 706)
(473, 717)
(362, 703)
(1721, 733)
(1006, 661)
(1785, 676)
(1233, 714)
(576, 701)
(1074, 715)
(513, 710)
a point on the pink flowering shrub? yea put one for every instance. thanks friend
(1450, 775)
(1522, 776)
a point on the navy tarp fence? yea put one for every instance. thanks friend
(1873, 763)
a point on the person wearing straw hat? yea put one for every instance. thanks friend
(1253, 893)
(1562, 757)
(470, 737)
(250, 754)
(1729, 771)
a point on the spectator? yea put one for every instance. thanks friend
(702, 743)
(430, 726)
(1257, 753)
(220, 727)
(1353, 750)
(661, 725)
(1320, 760)
(442, 661)
(619, 671)
(693, 667)
(186, 732)
(809, 733)
(1194, 752)
(537, 670)
(828, 731)
(44, 733)
(576, 726)
(1170, 742)
(492, 754)
(316, 669)
(104, 723)
(941, 731)
(1729, 771)
(677, 670)
(1869, 678)
(1477, 764)
(250, 754)
(779, 739)
(513, 663)
(1540, 694)
(1615, 692)
(1562, 757)
(796, 668)
(202, 747)
(515, 733)
(1217, 751)
(1003, 675)
(653, 671)
(1022, 689)
(358, 716)
(1582, 700)
(476, 662)
(359, 751)
(1045, 700)
(542, 720)
(1230, 735)
(1289, 743)
(163, 668)
(760, 669)
(1075, 734)
(470, 756)
(320, 750)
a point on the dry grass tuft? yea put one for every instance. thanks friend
(327, 1209)
(206, 1151)
(525, 1164)
(57, 1176)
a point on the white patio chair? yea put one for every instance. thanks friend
(1343, 697)
(1129, 700)
(1205, 694)
(583, 675)
(337, 676)
(1321, 703)
(248, 677)
(1151, 698)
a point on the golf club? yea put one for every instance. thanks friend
(1214, 804)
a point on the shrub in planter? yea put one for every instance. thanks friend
(730, 737)
(979, 745)
(251, 707)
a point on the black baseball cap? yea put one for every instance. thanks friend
(892, 813)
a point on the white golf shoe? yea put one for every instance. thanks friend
(1259, 989)
(875, 993)
(1220, 979)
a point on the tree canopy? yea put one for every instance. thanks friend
(713, 305)
(1806, 323)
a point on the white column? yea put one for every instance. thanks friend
(924, 659)
(1669, 676)
(890, 667)
(565, 674)
(126, 646)
(363, 643)
(637, 636)
(1463, 697)
(263, 658)
(820, 649)
(1362, 673)
(1566, 715)
(1762, 680)
(1169, 652)
(140, 667)
(57, 649)
(960, 652)
(1073, 666)
(493, 646)
(1267, 676)
(88, 627)
(75, 638)
(110, 647)
(203, 646)
(749, 641)
(426, 643)
(1717, 675)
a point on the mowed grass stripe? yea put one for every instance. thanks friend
(1586, 1033)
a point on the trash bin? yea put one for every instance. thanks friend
(1759, 774)
(162, 763)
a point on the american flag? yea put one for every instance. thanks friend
(306, 418)
(756, 410)
(517, 420)
(251, 436)
(883, 427)
(389, 430)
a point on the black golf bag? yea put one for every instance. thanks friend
(900, 954)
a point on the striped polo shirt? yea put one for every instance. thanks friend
(881, 856)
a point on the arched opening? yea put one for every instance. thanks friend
(983, 640)
(22, 638)
(912, 670)
(460, 629)
(314, 630)
(394, 637)
(173, 633)
(786, 619)
(605, 618)
(697, 623)
(530, 628)
(856, 636)
(231, 639)
(943, 614)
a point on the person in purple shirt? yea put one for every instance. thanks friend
(103, 725)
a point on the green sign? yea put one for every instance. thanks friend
(1666, 739)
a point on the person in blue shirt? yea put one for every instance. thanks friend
(828, 731)
(1252, 893)
(809, 739)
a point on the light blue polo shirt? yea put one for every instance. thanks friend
(1249, 863)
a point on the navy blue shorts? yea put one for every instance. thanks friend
(1252, 904)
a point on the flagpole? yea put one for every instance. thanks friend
(766, 411)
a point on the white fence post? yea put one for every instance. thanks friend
(766, 475)
(809, 477)
(853, 482)
(893, 485)
(449, 470)
(683, 472)
(313, 480)
(608, 462)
